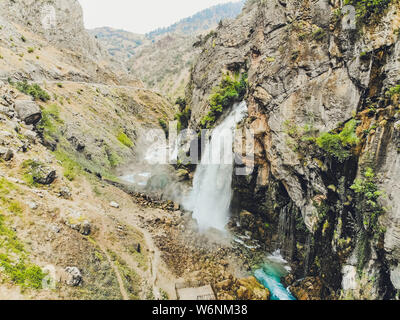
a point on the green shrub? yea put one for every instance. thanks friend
(369, 194)
(183, 118)
(394, 90)
(32, 172)
(125, 140)
(338, 145)
(224, 96)
(50, 122)
(181, 102)
(31, 50)
(34, 90)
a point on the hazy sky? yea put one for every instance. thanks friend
(140, 16)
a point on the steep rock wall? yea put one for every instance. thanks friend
(308, 75)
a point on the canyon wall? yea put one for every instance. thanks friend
(310, 77)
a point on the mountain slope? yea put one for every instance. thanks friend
(120, 44)
(69, 117)
(162, 58)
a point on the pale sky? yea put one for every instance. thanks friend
(140, 16)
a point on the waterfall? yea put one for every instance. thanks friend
(211, 196)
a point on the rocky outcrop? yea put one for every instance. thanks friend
(77, 221)
(74, 277)
(28, 111)
(308, 76)
(57, 28)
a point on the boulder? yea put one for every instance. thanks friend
(32, 205)
(41, 173)
(6, 154)
(76, 221)
(74, 276)
(7, 100)
(65, 193)
(76, 143)
(30, 135)
(28, 111)
(7, 111)
(45, 176)
(114, 204)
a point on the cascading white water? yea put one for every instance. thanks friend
(212, 191)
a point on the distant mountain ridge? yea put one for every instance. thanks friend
(119, 43)
(201, 21)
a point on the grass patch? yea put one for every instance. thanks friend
(125, 140)
(71, 168)
(130, 278)
(29, 168)
(50, 122)
(19, 270)
(15, 208)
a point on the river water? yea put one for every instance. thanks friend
(270, 274)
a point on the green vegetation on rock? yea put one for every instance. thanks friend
(393, 91)
(164, 126)
(369, 194)
(229, 91)
(369, 209)
(367, 8)
(184, 114)
(338, 145)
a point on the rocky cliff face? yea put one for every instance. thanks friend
(312, 80)
(56, 28)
